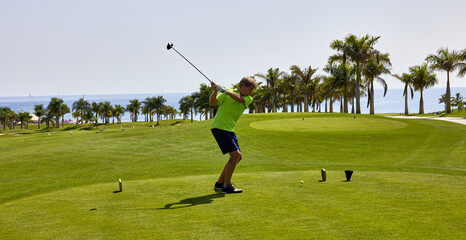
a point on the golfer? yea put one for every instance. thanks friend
(232, 103)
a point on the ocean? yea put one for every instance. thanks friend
(393, 102)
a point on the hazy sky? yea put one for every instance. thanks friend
(111, 47)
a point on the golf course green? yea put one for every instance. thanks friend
(409, 180)
(328, 124)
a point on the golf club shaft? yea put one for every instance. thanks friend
(191, 64)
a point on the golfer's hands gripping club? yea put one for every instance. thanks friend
(221, 89)
(218, 87)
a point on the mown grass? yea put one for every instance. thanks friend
(409, 181)
(454, 113)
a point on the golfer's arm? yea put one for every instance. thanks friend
(236, 97)
(213, 98)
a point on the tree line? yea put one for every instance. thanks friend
(350, 73)
(86, 112)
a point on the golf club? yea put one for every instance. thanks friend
(170, 46)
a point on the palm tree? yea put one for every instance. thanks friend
(194, 96)
(260, 95)
(359, 51)
(328, 93)
(14, 118)
(185, 106)
(96, 108)
(407, 79)
(340, 78)
(148, 108)
(462, 71)
(133, 108)
(24, 117)
(5, 116)
(314, 89)
(446, 61)
(117, 112)
(272, 77)
(202, 103)
(48, 118)
(88, 116)
(159, 102)
(169, 112)
(457, 101)
(304, 76)
(377, 65)
(64, 109)
(289, 87)
(55, 109)
(81, 106)
(39, 112)
(443, 99)
(282, 92)
(106, 111)
(423, 78)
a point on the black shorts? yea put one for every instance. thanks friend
(227, 141)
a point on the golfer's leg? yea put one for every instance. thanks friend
(231, 165)
(221, 179)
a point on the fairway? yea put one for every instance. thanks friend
(292, 209)
(325, 124)
(409, 180)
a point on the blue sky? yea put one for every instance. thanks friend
(113, 47)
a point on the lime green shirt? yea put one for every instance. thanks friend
(229, 111)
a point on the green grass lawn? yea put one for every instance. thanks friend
(409, 180)
(454, 113)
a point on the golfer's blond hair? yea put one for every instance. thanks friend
(248, 82)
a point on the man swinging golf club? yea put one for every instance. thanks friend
(232, 103)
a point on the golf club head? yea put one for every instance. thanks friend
(169, 45)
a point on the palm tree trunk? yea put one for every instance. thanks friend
(341, 104)
(372, 98)
(331, 104)
(306, 106)
(191, 115)
(345, 100)
(357, 92)
(448, 94)
(421, 104)
(406, 103)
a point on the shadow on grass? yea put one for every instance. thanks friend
(191, 202)
(78, 127)
(177, 122)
